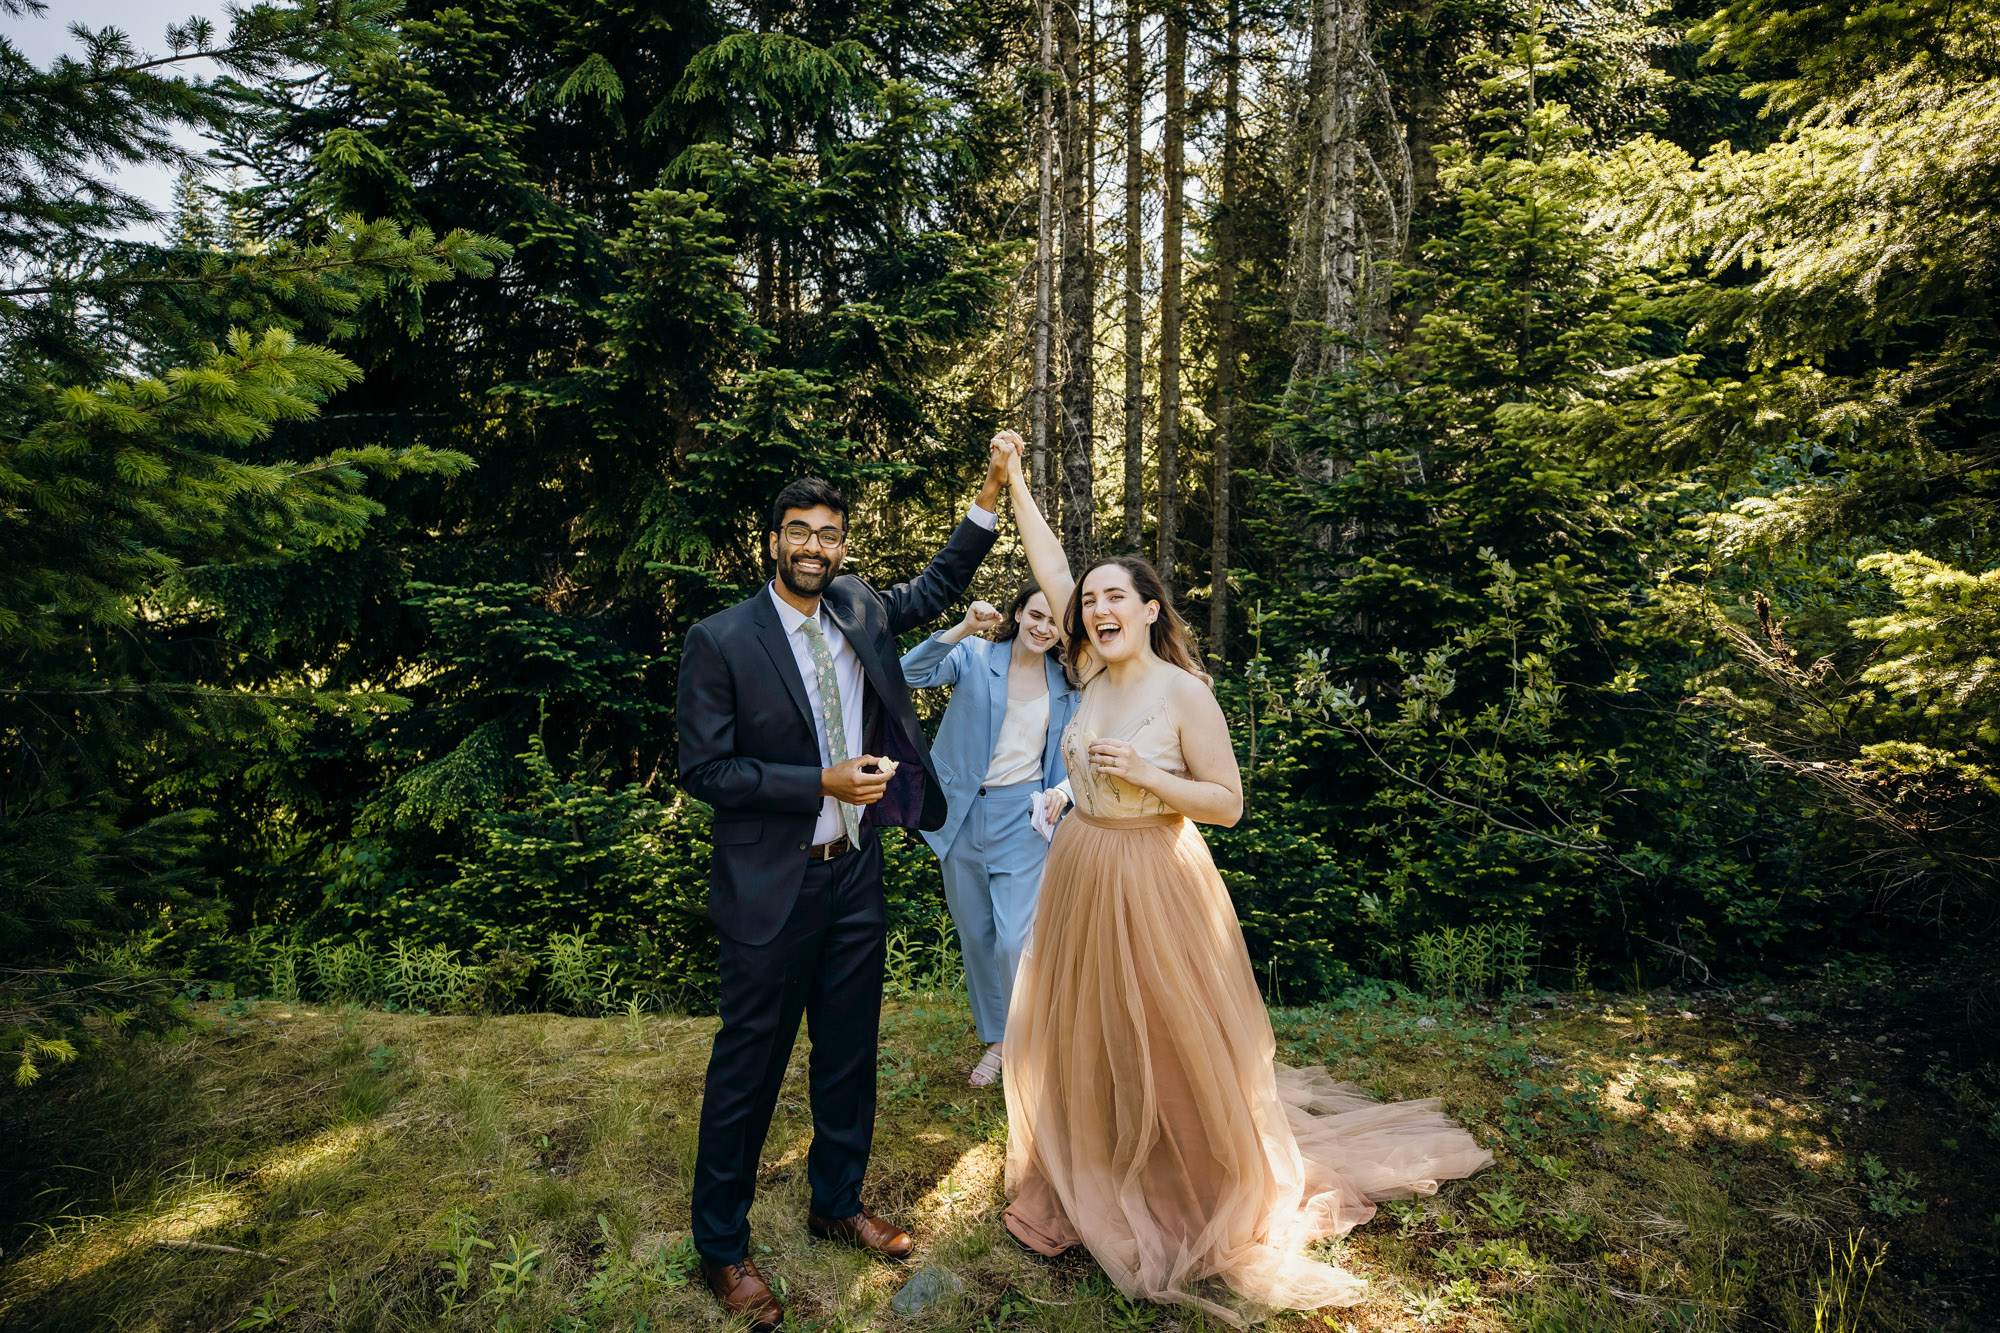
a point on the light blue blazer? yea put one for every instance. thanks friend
(976, 669)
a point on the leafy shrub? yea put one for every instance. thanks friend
(923, 959)
(1535, 1111)
(348, 971)
(577, 974)
(1888, 1189)
(1503, 1256)
(609, 883)
(427, 978)
(1465, 706)
(1475, 960)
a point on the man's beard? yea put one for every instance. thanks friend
(806, 585)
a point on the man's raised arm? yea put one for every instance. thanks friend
(950, 571)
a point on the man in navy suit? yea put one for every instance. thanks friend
(796, 726)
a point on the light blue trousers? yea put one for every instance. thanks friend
(992, 878)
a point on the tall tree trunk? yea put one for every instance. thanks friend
(1079, 303)
(1135, 304)
(767, 281)
(1420, 74)
(1038, 392)
(1224, 317)
(1420, 78)
(1355, 205)
(788, 292)
(1173, 144)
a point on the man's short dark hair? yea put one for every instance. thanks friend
(807, 493)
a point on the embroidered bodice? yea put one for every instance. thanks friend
(1154, 733)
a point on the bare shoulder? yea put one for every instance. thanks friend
(1189, 692)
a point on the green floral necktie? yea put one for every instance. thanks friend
(836, 726)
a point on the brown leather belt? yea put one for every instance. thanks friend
(826, 851)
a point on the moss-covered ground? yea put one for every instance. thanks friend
(1667, 1161)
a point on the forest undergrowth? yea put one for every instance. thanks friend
(1665, 1160)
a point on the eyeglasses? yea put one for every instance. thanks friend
(798, 534)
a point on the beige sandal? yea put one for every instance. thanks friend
(987, 1072)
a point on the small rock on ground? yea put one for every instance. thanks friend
(926, 1287)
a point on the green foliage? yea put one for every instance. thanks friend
(500, 662)
(1940, 639)
(923, 958)
(107, 103)
(1506, 1257)
(349, 533)
(1533, 1111)
(267, 1313)
(631, 398)
(457, 1249)
(1484, 705)
(1974, 1094)
(622, 1287)
(1475, 960)
(1838, 1302)
(130, 481)
(1888, 1189)
(568, 972)
(150, 403)
(1501, 1208)
(571, 861)
(514, 1274)
(428, 979)
(1841, 299)
(348, 972)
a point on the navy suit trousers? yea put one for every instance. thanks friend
(825, 963)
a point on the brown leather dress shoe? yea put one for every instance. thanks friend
(742, 1290)
(866, 1231)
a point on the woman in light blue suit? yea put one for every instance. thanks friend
(997, 751)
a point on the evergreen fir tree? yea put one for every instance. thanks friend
(192, 226)
(141, 393)
(733, 261)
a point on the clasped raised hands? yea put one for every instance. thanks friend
(1008, 451)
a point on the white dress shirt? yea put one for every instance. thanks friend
(846, 673)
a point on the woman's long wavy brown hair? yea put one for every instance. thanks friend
(1172, 640)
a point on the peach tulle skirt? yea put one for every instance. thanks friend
(1147, 1118)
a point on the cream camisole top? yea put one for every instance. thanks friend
(1024, 733)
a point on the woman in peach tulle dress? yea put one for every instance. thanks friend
(1147, 1118)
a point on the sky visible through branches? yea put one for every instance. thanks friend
(44, 37)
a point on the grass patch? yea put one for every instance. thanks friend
(1665, 1162)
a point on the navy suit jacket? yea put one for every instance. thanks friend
(749, 749)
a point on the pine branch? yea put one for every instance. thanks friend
(115, 282)
(465, 252)
(118, 73)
